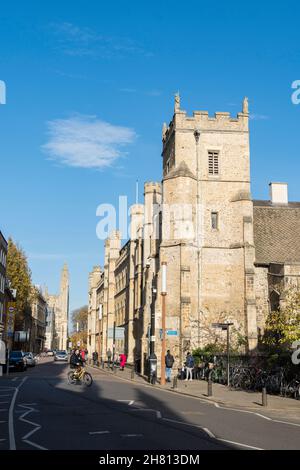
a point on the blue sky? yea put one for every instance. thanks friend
(89, 85)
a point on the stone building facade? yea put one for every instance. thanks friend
(59, 308)
(222, 248)
(38, 323)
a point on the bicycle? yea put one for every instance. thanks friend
(79, 375)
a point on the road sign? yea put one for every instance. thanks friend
(172, 333)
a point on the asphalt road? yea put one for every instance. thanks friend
(40, 410)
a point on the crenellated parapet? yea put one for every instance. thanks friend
(202, 121)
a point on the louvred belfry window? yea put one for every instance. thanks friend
(213, 163)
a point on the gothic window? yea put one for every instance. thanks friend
(214, 220)
(213, 163)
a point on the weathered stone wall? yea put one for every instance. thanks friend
(261, 295)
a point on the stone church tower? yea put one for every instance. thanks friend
(207, 222)
(59, 305)
(62, 324)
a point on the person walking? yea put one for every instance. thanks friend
(109, 354)
(123, 359)
(189, 362)
(95, 358)
(169, 361)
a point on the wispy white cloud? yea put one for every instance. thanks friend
(258, 117)
(81, 41)
(87, 142)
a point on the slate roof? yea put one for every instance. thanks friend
(276, 232)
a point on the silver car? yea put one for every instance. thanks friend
(61, 356)
(30, 360)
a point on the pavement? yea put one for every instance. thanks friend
(40, 410)
(277, 406)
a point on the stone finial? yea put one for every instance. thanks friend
(177, 102)
(164, 130)
(245, 106)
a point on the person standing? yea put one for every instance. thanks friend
(169, 361)
(108, 358)
(189, 362)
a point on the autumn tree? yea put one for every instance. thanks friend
(283, 324)
(19, 274)
(80, 318)
(80, 323)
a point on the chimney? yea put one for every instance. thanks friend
(279, 193)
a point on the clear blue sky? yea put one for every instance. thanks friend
(89, 84)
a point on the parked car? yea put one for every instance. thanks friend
(30, 360)
(61, 356)
(17, 360)
(50, 352)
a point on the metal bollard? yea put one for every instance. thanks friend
(115, 368)
(174, 382)
(132, 374)
(209, 387)
(264, 398)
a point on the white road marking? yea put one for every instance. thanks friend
(239, 444)
(14, 379)
(131, 435)
(285, 422)
(3, 402)
(4, 409)
(130, 402)
(35, 445)
(1, 440)
(2, 422)
(12, 441)
(99, 432)
(256, 414)
(209, 433)
(7, 395)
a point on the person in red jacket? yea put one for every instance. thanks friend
(123, 359)
(82, 353)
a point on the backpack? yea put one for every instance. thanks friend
(169, 360)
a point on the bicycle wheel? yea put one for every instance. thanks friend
(87, 379)
(71, 378)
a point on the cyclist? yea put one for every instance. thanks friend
(76, 361)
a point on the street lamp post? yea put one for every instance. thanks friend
(152, 324)
(226, 326)
(163, 320)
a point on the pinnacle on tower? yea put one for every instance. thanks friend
(245, 106)
(177, 102)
